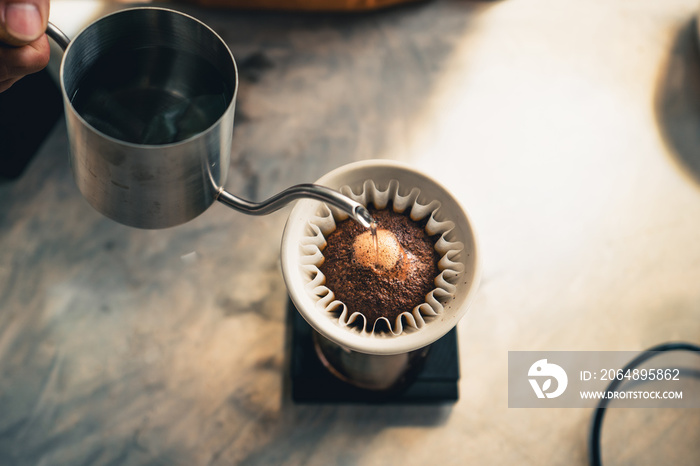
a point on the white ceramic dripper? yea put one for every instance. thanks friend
(365, 360)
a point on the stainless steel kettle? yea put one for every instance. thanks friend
(163, 184)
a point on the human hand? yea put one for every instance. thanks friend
(24, 48)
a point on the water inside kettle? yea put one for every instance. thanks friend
(151, 95)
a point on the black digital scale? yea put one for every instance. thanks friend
(436, 382)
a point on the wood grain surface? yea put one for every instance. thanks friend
(567, 129)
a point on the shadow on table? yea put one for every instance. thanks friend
(677, 100)
(341, 434)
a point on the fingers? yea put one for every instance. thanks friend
(24, 48)
(16, 62)
(23, 21)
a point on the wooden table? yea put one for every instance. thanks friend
(570, 131)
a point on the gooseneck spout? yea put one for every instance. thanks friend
(354, 209)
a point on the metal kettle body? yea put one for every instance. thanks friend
(160, 185)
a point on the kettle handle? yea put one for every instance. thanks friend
(57, 35)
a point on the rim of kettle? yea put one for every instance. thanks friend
(131, 144)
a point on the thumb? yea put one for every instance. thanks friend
(22, 21)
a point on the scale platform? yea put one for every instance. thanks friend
(437, 381)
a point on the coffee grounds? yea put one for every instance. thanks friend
(373, 291)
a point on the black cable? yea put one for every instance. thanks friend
(594, 454)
